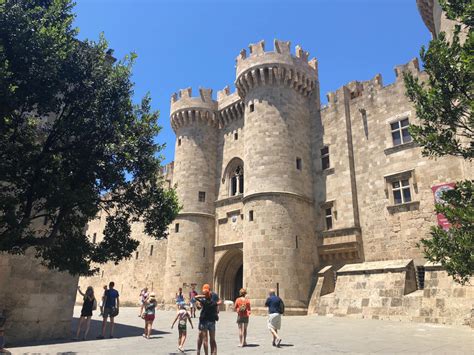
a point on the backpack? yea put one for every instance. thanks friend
(282, 307)
(243, 307)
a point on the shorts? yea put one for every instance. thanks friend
(108, 312)
(274, 321)
(149, 317)
(182, 328)
(241, 320)
(207, 325)
(86, 313)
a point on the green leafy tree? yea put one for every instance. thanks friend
(72, 143)
(444, 106)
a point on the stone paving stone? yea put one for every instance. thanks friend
(301, 335)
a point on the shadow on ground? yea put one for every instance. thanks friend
(120, 331)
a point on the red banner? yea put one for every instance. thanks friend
(437, 192)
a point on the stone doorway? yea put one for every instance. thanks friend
(229, 275)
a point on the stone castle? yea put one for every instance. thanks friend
(324, 203)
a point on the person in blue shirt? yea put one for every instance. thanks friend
(111, 309)
(275, 310)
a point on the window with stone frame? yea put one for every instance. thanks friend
(400, 133)
(401, 187)
(325, 164)
(401, 191)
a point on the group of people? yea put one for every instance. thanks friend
(109, 309)
(207, 302)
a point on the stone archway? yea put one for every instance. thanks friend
(229, 275)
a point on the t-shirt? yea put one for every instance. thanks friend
(150, 308)
(239, 303)
(192, 294)
(111, 298)
(208, 310)
(273, 304)
(144, 296)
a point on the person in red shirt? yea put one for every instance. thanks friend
(242, 307)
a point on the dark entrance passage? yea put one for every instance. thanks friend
(229, 275)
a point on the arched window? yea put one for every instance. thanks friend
(233, 177)
(237, 181)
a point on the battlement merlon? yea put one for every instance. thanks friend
(225, 98)
(280, 56)
(183, 100)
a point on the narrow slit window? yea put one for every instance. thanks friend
(299, 164)
(203, 252)
(179, 142)
(45, 220)
(151, 250)
(251, 107)
(136, 255)
(202, 196)
(296, 242)
(328, 217)
(251, 216)
(325, 158)
(176, 228)
(94, 237)
(236, 136)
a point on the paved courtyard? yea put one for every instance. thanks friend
(301, 335)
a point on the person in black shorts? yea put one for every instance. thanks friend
(89, 305)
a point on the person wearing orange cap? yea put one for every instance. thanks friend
(208, 303)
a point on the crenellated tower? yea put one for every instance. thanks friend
(278, 90)
(191, 238)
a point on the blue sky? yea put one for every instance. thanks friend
(183, 43)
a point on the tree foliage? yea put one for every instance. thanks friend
(444, 105)
(73, 143)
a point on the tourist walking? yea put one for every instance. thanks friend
(276, 308)
(192, 301)
(143, 296)
(111, 309)
(149, 315)
(242, 307)
(182, 317)
(208, 303)
(89, 305)
(101, 304)
(180, 298)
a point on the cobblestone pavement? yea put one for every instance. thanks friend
(301, 335)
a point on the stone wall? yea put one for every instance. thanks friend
(146, 267)
(37, 302)
(388, 290)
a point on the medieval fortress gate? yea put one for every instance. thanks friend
(324, 203)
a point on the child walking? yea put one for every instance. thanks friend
(182, 317)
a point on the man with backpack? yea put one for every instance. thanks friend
(276, 308)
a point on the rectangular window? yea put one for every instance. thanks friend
(151, 250)
(179, 142)
(328, 217)
(136, 255)
(202, 196)
(400, 134)
(298, 163)
(401, 191)
(325, 158)
(250, 216)
(251, 107)
(236, 136)
(176, 228)
(94, 237)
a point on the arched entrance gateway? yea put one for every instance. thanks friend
(228, 277)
